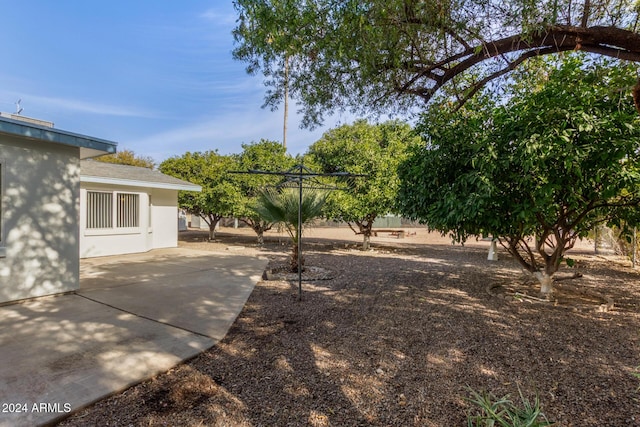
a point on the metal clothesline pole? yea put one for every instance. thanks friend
(300, 235)
(292, 175)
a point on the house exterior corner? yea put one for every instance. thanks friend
(39, 209)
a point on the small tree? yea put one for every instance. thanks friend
(363, 148)
(219, 198)
(282, 207)
(267, 156)
(538, 172)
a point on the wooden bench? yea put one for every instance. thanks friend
(394, 232)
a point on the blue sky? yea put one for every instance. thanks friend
(157, 77)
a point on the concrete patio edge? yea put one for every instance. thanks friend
(133, 318)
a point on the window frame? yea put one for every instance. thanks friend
(118, 214)
(105, 216)
(127, 210)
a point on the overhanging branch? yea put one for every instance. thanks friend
(609, 41)
(475, 87)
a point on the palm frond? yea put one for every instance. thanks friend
(281, 207)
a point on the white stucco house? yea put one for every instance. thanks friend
(127, 209)
(40, 207)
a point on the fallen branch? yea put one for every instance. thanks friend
(525, 296)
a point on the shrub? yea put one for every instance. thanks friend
(491, 411)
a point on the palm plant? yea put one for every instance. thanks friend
(281, 207)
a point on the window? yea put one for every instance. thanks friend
(99, 209)
(128, 210)
(102, 209)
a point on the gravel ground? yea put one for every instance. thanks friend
(396, 335)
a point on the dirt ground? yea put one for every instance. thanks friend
(397, 335)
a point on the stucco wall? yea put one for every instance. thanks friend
(40, 203)
(158, 227)
(164, 218)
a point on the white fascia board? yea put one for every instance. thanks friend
(135, 183)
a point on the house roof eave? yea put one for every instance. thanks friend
(89, 146)
(137, 183)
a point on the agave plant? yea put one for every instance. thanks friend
(281, 207)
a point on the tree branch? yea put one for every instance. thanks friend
(585, 13)
(609, 41)
(512, 247)
(353, 229)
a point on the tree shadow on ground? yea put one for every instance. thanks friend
(395, 339)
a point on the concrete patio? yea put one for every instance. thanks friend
(134, 316)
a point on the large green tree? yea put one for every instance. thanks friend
(537, 172)
(266, 156)
(220, 196)
(386, 55)
(374, 150)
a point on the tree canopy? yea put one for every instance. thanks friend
(391, 55)
(264, 155)
(269, 156)
(537, 172)
(220, 196)
(128, 157)
(363, 148)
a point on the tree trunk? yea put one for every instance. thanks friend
(364, 228)
(546, 283)
(366, 241)
(527, 259)
(213, 222)
(259, 227)
(293, 261)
